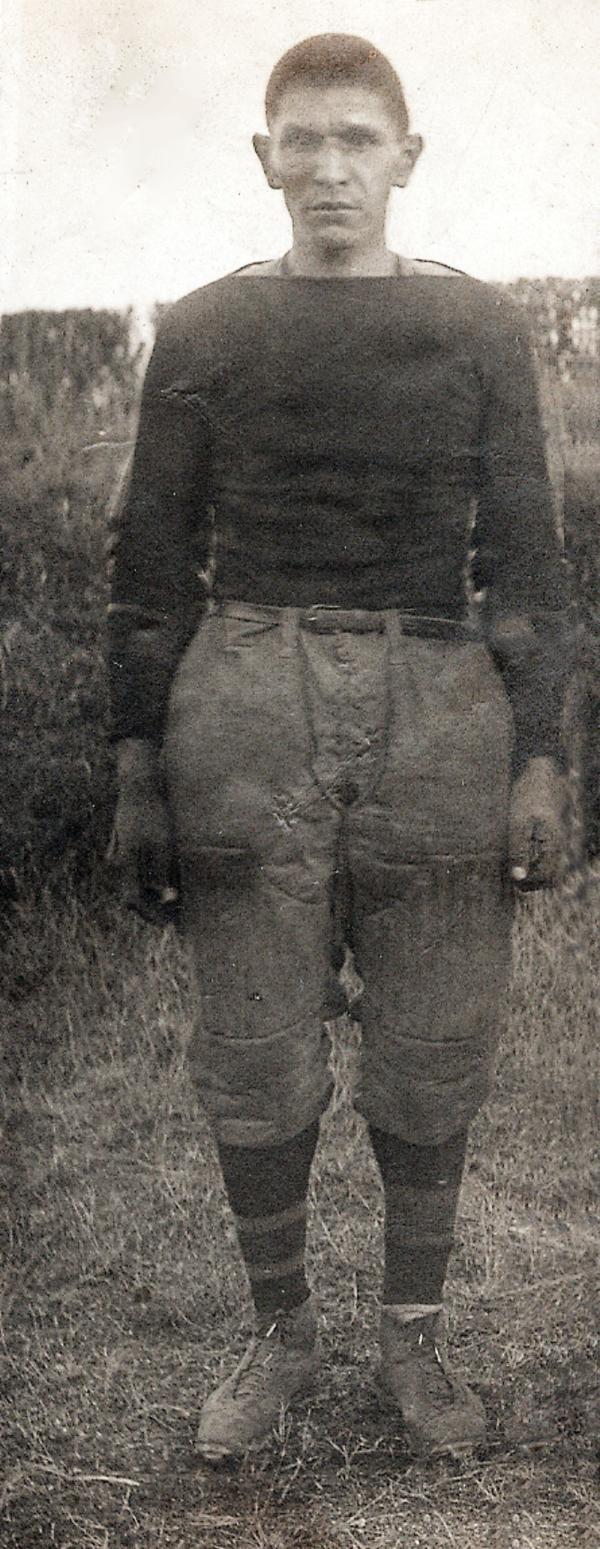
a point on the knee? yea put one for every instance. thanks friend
(260, 1091)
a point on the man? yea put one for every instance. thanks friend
(330, 759)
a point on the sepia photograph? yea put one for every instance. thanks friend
(300, 758)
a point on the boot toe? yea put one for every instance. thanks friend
(226, 1432)
(461, 1430)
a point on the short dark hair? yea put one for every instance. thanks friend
(330, 59)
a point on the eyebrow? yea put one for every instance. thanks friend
(347, 126)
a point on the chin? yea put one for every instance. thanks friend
(337, 242)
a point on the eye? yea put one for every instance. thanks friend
(301, 140)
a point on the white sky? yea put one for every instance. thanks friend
(127, 172)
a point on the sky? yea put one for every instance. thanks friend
(127, 173)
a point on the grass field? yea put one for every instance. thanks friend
(123, 1295)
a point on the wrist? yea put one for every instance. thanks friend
(138, 761)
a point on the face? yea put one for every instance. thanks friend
(336, 153)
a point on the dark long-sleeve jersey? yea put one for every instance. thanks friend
(343, 441)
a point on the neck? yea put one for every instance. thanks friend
(331, 263)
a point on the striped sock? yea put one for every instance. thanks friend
(267, 1189)
(421, 1188)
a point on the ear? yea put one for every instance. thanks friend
(409, 151)
(264, 149)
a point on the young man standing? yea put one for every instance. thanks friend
(327, 755)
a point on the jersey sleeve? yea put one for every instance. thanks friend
(519, 561)
(159, 548)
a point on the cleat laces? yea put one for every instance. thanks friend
(250, 1372)
(439, 1382)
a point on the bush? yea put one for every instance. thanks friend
(582, 539)
(57, 470)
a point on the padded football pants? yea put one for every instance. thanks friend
(335, 777)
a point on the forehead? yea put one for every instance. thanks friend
(323, 108)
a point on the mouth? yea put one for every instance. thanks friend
(329, 207)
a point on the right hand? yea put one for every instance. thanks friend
(536, 826)
(141, 847)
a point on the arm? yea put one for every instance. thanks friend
(161, 533)
(519, 559)
(519, 564)
(160, 542)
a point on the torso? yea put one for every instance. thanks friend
(344, 420)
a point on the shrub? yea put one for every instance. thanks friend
(58, 465)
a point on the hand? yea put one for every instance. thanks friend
(141, 846)
(536, 839)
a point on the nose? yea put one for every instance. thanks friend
(330, 167)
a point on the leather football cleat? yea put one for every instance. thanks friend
(278, 1367)
(440, 1413)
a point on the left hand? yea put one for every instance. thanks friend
(536, 836)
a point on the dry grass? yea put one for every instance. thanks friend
(123, 1295)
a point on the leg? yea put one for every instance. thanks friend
(260, 1063)
(259, 1052)
(432, 926)
(432, 904)
(433, 948)
(255, 889)
(256, 844)
(429, 1037)
(421, 1187)
(267, 1191)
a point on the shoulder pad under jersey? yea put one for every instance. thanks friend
(431, 266)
